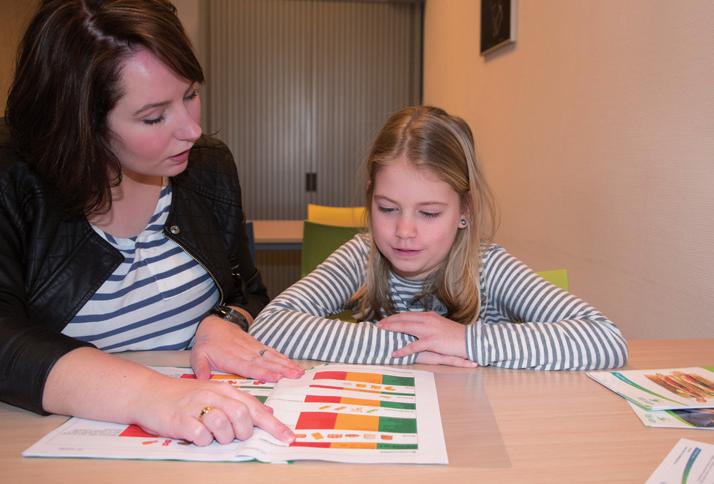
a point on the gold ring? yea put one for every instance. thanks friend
(204, 411)
(262, 352)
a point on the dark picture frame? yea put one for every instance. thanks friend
(498, 24)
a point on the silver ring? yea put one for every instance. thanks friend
(262, 352)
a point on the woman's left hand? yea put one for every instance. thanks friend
(223, 346)
(435, 333)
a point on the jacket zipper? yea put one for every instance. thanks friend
(215, 280)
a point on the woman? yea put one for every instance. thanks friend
(122, 229)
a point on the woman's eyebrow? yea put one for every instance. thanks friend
(147, 107)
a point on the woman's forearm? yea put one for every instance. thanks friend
(89, 383)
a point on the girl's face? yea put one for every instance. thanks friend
(156, 121)
(415, 218)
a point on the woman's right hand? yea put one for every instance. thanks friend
(200, 411)
(91, 384)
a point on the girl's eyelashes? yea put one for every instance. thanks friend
(424, 213)
(154, 120)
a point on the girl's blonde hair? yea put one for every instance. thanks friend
(431, 138)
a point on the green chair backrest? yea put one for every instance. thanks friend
(557, 277)
(319, 241)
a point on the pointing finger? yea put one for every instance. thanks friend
(266, 421)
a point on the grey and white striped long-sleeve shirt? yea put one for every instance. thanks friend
(524, 321)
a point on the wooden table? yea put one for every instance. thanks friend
(278, 234)
(500, 425)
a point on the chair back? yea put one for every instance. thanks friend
(338, 216)
(557, 277)
(319, 241)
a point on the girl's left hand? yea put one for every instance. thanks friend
(435, 333)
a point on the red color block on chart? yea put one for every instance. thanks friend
(322, 399)
(311, 444)
(316, 420)
(135, 431)
(330, 375)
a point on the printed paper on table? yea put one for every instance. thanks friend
(341, 413)
(687, 418)
(663, 389)
(689, 461)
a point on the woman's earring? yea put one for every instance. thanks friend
(462, 223)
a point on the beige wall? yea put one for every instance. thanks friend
(597, 132)
(191, 13)
(14, 16)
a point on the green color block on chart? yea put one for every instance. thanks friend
(402, 405)
(406, 381)
(397, 425)
(397, 446)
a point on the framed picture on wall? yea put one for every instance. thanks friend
(498, 24)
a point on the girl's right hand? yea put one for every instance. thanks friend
(440, 341)
(201, 411)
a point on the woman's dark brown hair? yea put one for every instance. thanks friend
(67, 81)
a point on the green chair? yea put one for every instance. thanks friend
(319, 241)
(557, 277)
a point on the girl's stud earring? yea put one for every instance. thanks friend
(462, 223)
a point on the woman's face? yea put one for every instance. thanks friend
(414, 218)
(156, 121)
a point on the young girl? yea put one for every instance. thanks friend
(424, 283)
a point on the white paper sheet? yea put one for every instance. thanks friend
(689, 462)
(692, 418)
(661, 389)
(341, 413)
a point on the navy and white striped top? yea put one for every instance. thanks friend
(154, 300)
(524, 321)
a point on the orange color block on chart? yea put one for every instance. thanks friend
(357, 422)
(364, 377)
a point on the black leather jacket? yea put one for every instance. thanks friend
(52, 263)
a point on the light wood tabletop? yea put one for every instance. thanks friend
(277, 232)
(500, 426)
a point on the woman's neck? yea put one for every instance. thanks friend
(133, 203)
